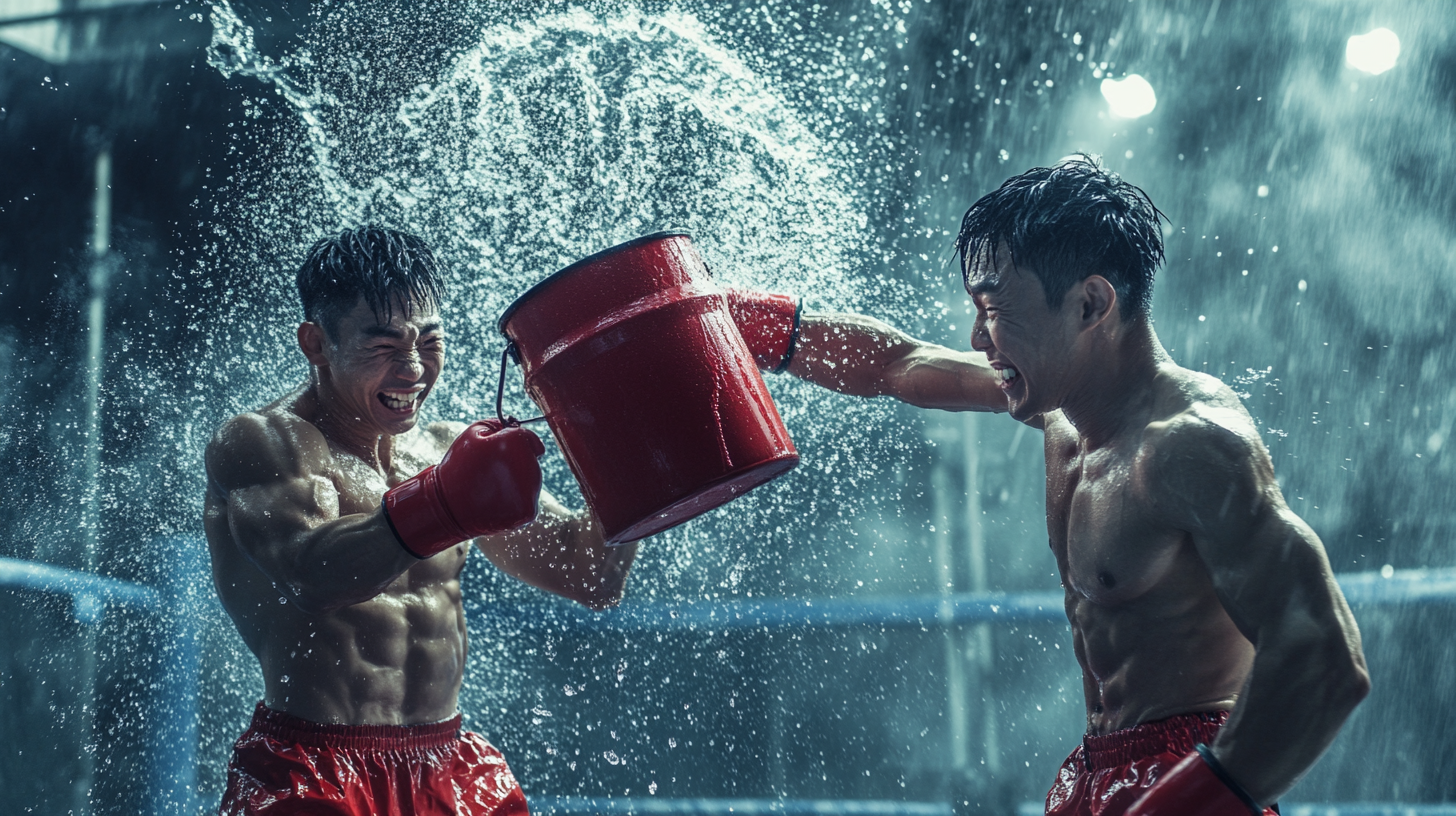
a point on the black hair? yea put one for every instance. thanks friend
(384, 266)
(1066, 222)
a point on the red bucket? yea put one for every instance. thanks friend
(647, 385)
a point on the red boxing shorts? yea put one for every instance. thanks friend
(283, 765)
(1105, 775)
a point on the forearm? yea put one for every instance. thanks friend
(344, 562)
(563, 553)
(1300, 691)
(590, 572)
(848, 353)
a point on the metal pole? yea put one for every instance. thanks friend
(980, 634)
(91, 503)
(957, 716)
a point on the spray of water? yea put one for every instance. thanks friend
(540, 141)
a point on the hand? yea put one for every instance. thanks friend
(1196, 786)
(488, 482)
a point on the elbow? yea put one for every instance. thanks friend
(1348, 677)
(313, 602)
(1358, 683)
(601, 600)
(600, 595)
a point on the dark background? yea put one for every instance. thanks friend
(1339, 339)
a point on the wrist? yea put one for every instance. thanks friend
(1197, 786)
(768, 323)
(1205, 752)
(417, 516)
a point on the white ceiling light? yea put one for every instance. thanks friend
(1129, 98)
(1373, 53)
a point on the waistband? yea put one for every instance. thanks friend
(298, 731)
(1177, 734)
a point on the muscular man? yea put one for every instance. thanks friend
(337, 546)
(1219, 658)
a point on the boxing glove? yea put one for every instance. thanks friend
(1196, 786)
(488, 482)
(769, 324)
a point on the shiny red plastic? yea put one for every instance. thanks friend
(1108, 774)
(488, 482)
(1191, 788)
(653, 397)
(286, 766)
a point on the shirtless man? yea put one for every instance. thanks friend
(1219, 658)
(337, 549)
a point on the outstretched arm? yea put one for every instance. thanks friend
(563, 553)
(1215, 480)
(861, 356)
(283, 512)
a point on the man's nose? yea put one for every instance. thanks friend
(980, 338)
(413, 367)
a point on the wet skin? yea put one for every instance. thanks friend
(1175, 547)
(347, 626)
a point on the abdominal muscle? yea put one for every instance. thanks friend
(396, 659)
(1170, 651)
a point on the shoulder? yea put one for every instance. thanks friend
(1196, 415)
(1202, 448)
(264, 445)
(441, 434)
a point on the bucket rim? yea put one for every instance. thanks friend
(542, 284)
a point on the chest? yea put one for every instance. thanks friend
(1108, 545)
(361, 486)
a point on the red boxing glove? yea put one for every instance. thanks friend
(1196, 786)
(488, 482)
(769, 324)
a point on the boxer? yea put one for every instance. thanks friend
(338, 529)
(1219, 658)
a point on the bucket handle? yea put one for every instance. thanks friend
(500, 392)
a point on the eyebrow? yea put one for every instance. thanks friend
(986, 285)
(395, 334)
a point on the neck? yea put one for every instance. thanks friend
(1115, 391)
(346, 431)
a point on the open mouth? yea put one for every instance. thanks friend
(402, 402)
(1008, 375)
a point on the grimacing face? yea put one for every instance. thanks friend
(1029, 344)
(380, 373)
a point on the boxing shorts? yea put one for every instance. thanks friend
(1106, 774)
(283, 765)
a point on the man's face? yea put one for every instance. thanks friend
(1030, 345)
(380, 373)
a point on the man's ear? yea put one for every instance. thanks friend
(311, 341)
(1096, 300)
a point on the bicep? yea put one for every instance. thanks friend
(268, 520)
(276, 494)
(1271, 572)
(1267, 566)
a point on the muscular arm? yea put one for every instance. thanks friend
(861, 356)
(562, 552)
(283, 512)
(1214, 479)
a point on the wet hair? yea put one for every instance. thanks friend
(386, 267)
(1066, 222)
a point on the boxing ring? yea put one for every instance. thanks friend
(172, 608)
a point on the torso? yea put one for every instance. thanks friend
(397, 658)
(1148, 629)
